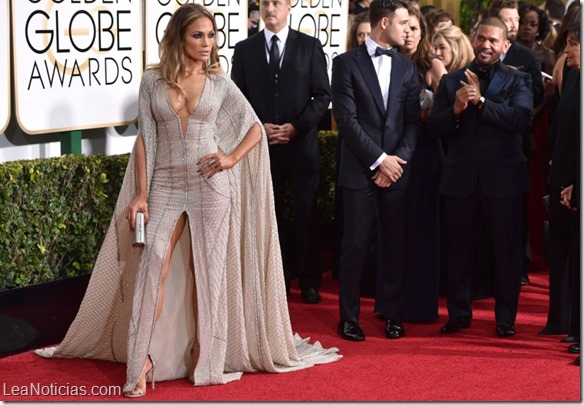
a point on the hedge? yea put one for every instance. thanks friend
(55, 212)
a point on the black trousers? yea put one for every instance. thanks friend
(359, 208)
(502, 216)
(561, 232)
(300, 249)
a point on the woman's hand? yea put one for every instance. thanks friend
(566, 197)
(138, 205)
(213, 163)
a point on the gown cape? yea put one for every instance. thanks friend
(250, 320)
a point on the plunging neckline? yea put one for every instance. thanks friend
(184, 130)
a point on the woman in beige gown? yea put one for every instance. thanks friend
(200, 169)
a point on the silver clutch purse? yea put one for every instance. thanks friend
(139, 231)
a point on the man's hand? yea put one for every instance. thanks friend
(280, 134)
(381, 180)
(391, 168)
(469, 92)
(474, 86)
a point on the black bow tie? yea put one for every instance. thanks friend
(389, 52)
(485, 72)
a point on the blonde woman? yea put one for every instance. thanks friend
(200, 165)
(453, 48)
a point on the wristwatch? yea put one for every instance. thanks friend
(481, 103)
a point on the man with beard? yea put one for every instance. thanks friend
(482, 110)
(518, 56)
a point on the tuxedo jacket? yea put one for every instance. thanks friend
(484, 145)
(301, 96)
(366, 126)
(528, 61)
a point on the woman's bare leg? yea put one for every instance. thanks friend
(178, 230)
(195, 349)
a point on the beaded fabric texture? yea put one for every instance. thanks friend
(239, 320)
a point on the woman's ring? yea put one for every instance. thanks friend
(211, 161)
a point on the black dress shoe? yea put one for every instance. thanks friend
(524, 280)
(350, 331)
(394, 329)
(570, 339)
(455, 325)
(310, 296)
(574, 348)
(505, 330)
(577, 361)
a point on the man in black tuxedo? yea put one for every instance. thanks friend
(482, 110)
(376, 106)
(283, 74)
(526, 60)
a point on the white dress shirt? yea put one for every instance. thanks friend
(382, 65)
(282, 36)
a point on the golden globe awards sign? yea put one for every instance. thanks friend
(4, 66)
(77, 63)
(230, 17)
(325, 20)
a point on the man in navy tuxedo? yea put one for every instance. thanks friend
(482, 110)
(283, 74)
(376, 106)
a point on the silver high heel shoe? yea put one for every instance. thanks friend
(137, 392)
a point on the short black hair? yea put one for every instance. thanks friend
(384, 8)
(494, 22)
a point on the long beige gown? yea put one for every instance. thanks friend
(240, 319)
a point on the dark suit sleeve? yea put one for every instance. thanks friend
(237, 71)
(412, 120)
(320, 91)
(442, 120)
(511, 112)
(345, 113)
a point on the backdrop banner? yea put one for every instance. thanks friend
(230, 16)
(325, 20)
(77, 64)
(4, 65)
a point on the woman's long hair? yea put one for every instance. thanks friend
(462, 52)
(572, 14)
(172, 64)
(356, 21)
(424, 50)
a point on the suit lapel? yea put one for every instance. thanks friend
(290, 50)
(259, 53)
(365, 65)
(498, 82)
(397, 74)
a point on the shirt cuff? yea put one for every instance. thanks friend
(378, 161)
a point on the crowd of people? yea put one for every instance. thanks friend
(437, 142)
(479, 174)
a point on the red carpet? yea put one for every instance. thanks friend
(473, 365)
